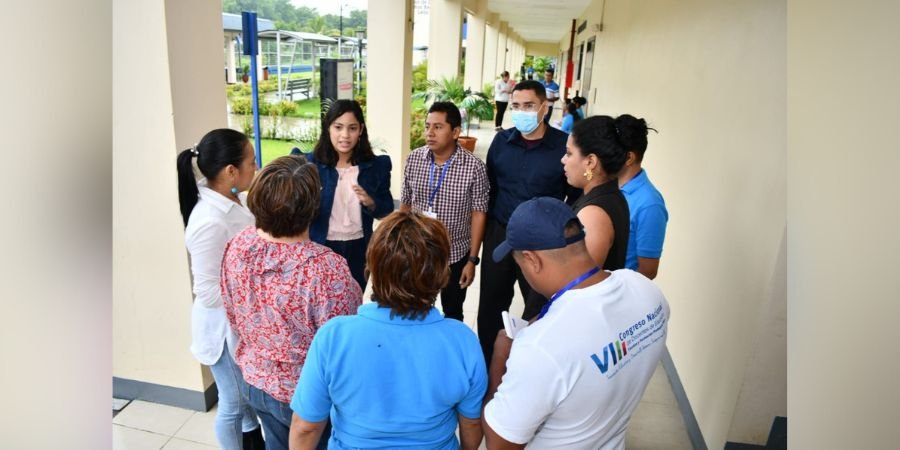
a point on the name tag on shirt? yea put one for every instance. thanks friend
(431, 214)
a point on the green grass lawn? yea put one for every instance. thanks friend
(272, 149)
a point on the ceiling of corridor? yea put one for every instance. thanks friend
(539, 20)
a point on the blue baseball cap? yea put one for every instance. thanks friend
(538, 224)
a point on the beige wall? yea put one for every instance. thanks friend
(390, 69)
(843, 159)
(710, 76)
(444, 38)
(162, 101)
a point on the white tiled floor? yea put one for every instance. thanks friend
(656, 424)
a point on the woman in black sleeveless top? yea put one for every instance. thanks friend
(594, 155)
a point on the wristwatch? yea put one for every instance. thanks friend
(474, 260)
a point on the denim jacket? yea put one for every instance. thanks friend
(374, 177)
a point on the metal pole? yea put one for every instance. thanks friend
(278, 57)
(251, 48)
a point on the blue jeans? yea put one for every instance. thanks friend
(276, 420)
(234, 414)
(355, 253)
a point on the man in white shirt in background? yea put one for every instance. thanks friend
(571, 379)
(502, 88)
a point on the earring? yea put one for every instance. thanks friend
(235, 191)
(588, 174)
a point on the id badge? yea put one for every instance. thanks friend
(431, 214)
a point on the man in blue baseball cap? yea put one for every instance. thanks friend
(596, 342)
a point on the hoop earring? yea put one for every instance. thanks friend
(588, 174)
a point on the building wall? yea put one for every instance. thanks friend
(165, 53)
(710, 76)
(842, 164)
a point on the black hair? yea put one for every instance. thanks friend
(597, 135)
(504, 73)
(454, 118)
(217, 150)
(532, 85)
(633, 134)
(549, 69)
(325, 152)
(572, 109)
(580, 101)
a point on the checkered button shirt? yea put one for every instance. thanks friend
(465, 189)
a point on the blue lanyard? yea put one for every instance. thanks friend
(440, 179)
(562, 291)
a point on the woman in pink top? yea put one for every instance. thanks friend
(279, 288)
(355, 186)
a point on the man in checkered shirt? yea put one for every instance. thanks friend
(443, 181)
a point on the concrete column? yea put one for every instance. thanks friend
(475, 52)
(444, 38)
(390, 80)
(501, 48)
(489, 71)
(231, 72)
(172, 49)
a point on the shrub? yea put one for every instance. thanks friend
(420, 77)
(282, 108)
(243, 105)
(417, 127)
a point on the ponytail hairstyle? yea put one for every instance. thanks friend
(217, 150)
(572, 109)
(597, 135)
(633, 134)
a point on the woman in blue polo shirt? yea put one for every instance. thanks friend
(397, 374)
(646, 205)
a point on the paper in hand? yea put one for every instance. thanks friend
(512, 325)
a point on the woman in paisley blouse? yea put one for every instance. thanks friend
(279, 288)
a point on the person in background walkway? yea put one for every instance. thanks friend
(355, 186)
(397, 374)
(279, 287)
(573, 378)
(646, 205)
(213, 211)
(502, 88)
(580, 102)
(443, 181)
(522, 163)
(594, 156)
(552, 90)
(571, 117)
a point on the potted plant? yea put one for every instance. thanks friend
(472, 104)
(245, 73)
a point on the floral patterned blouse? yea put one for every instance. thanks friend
(276, 297)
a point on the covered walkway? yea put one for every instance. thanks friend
(708, 75)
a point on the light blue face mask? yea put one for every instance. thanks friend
(525, 121)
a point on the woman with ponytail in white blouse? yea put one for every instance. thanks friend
(214, 210)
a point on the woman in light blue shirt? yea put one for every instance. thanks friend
(397, 374)
(570, 118)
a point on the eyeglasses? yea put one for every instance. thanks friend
(528, 107)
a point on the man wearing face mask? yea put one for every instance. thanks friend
(522, 163)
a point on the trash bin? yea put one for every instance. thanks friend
(265, 73)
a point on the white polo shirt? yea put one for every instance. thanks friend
(213, 222)
(574, 377)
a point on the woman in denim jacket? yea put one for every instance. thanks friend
(355, 186)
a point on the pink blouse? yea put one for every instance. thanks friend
(276, 297)
(345, 223)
